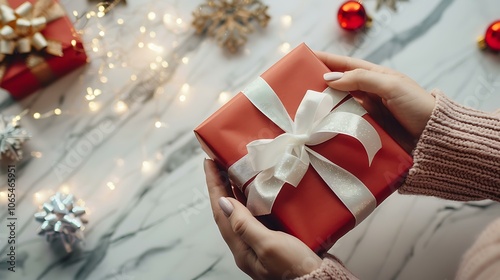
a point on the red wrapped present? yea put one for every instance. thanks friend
(309, 159)
(38, 45)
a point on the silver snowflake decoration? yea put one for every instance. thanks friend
(62, 220)
(12, 136)
(230, 21)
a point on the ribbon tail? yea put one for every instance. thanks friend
(335, 95)
(350, 190)
(263, 97)
(351, 106)
(54, 48)
(66, 243)
(261, 194)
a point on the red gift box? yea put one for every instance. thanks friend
(20, 80)
(311, 211)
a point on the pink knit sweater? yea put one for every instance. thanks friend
(457, 157)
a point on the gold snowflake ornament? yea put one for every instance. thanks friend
(230, 21)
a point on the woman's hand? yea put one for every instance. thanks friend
(259, 252)
(374, 85)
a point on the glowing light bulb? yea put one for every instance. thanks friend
(285, 47)
(151, 16)
(36, 154)
(182, 98)
(36, 116)
(111, 185)
(146, 166)
(93, 106)
(224, 97)
(185, 87)
(185, 60)
(38, 197)
(120, 107)
(120, 21)
(286, 20)
(155, 48)
(65, 189)
(157, 124)
(57, 111)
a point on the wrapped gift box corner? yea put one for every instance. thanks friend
(311, 211)
(20, 81)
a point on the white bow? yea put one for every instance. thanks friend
(286, 158)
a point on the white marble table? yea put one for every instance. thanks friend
(141, 176)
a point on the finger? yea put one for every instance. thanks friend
(344, 63)
(217, 181)
(246, 226)
(383, 85)
(219, 187)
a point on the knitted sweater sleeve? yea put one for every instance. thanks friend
(457, 157)
(458, 154)
(331, 268)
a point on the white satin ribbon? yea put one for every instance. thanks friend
(286, 158)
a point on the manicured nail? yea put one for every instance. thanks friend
(226, 206)
(332, 76)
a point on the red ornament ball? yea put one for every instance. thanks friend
(492, 36)
(352, 16)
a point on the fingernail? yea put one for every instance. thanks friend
(332, 76)
(226, 206)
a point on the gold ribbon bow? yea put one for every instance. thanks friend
(21, 28)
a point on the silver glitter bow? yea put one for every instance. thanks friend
(12, 136)
(61, 220)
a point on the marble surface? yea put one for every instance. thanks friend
(130, 153)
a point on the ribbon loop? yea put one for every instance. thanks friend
(24, 9)
(23, 27)
(286, 158)
(7, 14)
(38, 24)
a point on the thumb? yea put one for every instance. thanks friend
(383, 85)
(243, 223)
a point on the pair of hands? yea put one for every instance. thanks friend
(390, 97)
